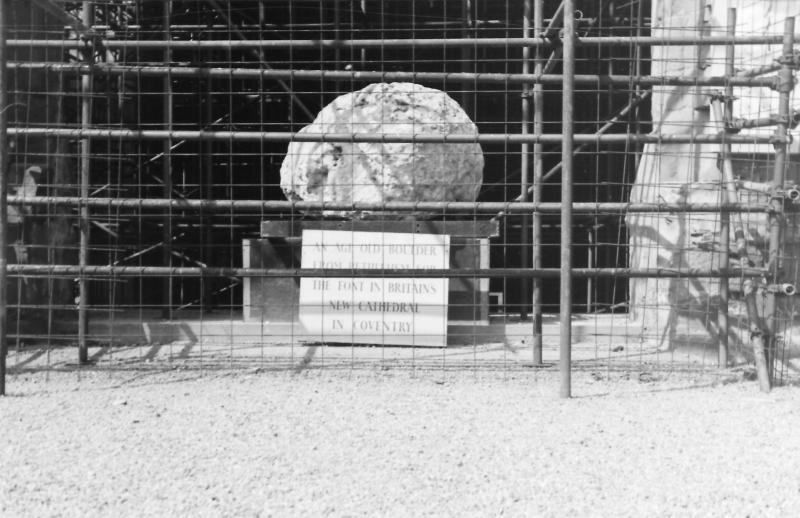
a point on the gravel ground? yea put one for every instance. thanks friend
(394, 443)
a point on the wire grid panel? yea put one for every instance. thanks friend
(151, 146)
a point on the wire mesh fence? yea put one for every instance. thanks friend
(449, 184)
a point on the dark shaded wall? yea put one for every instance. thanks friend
(40, 235)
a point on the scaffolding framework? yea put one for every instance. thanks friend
(156, 109)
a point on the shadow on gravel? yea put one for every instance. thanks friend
(114, 366)
(100, 353)
(306, 361)
(153, 352)
(29, 360)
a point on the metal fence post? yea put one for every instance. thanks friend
(538, 171)
(3, 193)
(524, 166)
(167, 167)
(565, 346)
(725, 217)
(776, 216)
(85, 171)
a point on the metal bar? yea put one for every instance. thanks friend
(776, 217)
(698, 98)
(736, 124)
(356, 75)
(591, 252)
(524, 183)
(363, 25)
(4, 165)
(550, 273)
(85, 173)
(728, 179)
(608, 125)
(538, 167)
(568, 130)
(758, 340)
(258, 54)
(396, 43)
(765, 188)
(610, 163)
(116, 2)
(467, 60)
(790, 192)
(551, 31)
(638, 71)
(347, 24)
(238, 1)
(486, 138)
(166, 229)
(79, 25)
(337, 53)
(206, 181)
(759, 71)
(439, 207)
(724, 218)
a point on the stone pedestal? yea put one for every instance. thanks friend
(275, 299)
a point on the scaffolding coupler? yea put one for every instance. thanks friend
(737, 124)
(718, 95)
(784, 288)
(789, 193)
(752, 286)
(792, 59)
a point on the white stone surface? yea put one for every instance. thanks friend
(670, 172)
(384, 172)
(381, 311)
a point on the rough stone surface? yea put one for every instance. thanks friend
(384, 172)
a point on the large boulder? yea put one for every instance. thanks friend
(383, 172)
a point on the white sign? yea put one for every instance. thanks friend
(369, 310)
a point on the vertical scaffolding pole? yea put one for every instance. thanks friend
(525, 157)
(3, 192)
(337, 35)
(568, 126)
(724, 217)
(776, 216)
(365, 28)
(538, 167)
(637, 125)
(83, 252)
(166, 228)
(207, 188)
(594, 286)
(699, 91)
(467, 58)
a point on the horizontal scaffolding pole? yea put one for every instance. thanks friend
(486, 138)
(438, 207)
(759, 71)
(165, 271)
(394, 43)
(737, 124)
(347, 75)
